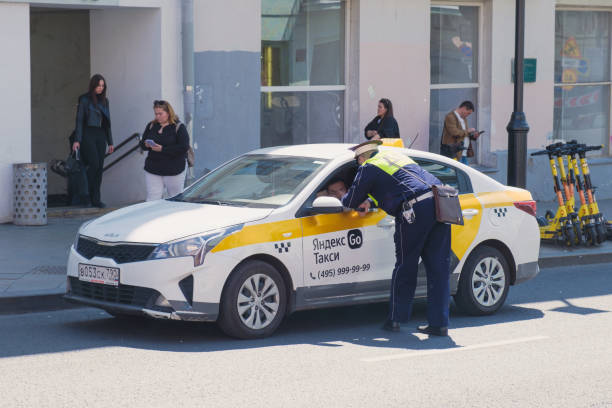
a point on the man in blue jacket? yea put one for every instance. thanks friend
(395, 183)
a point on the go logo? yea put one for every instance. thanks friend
(355, 239)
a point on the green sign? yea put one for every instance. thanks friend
(529, 69)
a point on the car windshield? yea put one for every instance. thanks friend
(254, 181)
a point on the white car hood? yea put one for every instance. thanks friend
(162, 221)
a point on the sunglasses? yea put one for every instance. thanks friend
(160, 103)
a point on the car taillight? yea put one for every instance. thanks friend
(528, 206)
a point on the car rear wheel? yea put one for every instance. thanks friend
(483, 285)
(254, 301)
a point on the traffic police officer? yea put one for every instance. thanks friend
(395, 183)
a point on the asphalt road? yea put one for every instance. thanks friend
(550, 346)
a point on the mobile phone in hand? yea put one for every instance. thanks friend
(149, 142)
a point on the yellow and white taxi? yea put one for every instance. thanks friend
(255, 239)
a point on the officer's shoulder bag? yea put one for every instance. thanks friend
(446, 199)
(448, 208)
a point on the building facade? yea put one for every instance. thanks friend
(274, 72)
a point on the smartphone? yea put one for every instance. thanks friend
(149, 142)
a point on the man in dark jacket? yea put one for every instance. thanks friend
(399, 186)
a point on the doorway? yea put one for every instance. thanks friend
(60, 69)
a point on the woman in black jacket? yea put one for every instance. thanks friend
(167, 141)
(383, 124)
(93, 133)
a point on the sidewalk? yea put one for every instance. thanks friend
(33, 264)
(33, 260)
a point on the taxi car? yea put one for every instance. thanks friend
(251, 241)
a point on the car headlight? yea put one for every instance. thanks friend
(78, 234)
(196, 247)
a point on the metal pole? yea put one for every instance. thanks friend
(187, 50)
(517, 127)
(187, 41)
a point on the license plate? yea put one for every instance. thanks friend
(99, 274)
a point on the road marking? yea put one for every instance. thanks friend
(450, 350)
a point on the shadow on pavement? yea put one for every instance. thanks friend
(82, 329)
(87, 328)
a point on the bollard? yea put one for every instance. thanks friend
(30, 194)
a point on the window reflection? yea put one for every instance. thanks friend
(454, 44)
(302, 42)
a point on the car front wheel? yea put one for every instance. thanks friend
(254, 301)
(483, 285)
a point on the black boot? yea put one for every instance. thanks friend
(391, 325)
(433, 330)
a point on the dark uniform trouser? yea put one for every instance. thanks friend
(93, 150)
(430, 240)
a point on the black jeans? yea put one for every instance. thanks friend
(93, 150)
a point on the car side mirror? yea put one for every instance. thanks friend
(326, 205)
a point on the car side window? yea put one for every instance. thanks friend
(447, 175)
(346, 173)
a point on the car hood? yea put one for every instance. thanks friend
(162, 221)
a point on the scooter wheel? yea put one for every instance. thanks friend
(578, 234)
(590, 235)
(570, 236)
(601, 232)
(549, 215)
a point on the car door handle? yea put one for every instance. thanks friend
(386, 222)
(469, 213)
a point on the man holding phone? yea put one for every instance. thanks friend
(456, 136)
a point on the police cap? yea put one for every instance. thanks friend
(365, 147)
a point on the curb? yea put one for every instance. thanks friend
(553, 256)
(573, 260)
(72, 212)
(34, 303)
(43, 301)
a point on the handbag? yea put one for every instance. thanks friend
(190, 153)
(73, 163)
(446, 199)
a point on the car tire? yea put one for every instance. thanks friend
(254, 301)
(484, 282)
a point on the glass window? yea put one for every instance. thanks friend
(442, 102)
(254, 181)
(582, 113)
(301, 117)
(582, 46)
(302, 71)
(454, 65)
(454, 44)
(582, 76)
(447, 175)
(302, 42)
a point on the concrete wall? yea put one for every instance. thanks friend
(15, 100)
(394, 63)
(126, 48)
(60, 73)
(227, 80)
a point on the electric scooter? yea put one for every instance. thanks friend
(600, 223)
(567, 181)
(587, 222)
(557, 227)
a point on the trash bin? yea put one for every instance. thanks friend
(30, 205)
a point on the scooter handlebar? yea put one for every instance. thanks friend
(540, 153)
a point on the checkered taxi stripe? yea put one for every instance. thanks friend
(500, 212)
(282, 246)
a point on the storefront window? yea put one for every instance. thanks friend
(582, 76)
(454, 44)
(302, 71)
(454, 65)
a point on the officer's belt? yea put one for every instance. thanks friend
(421, 197)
